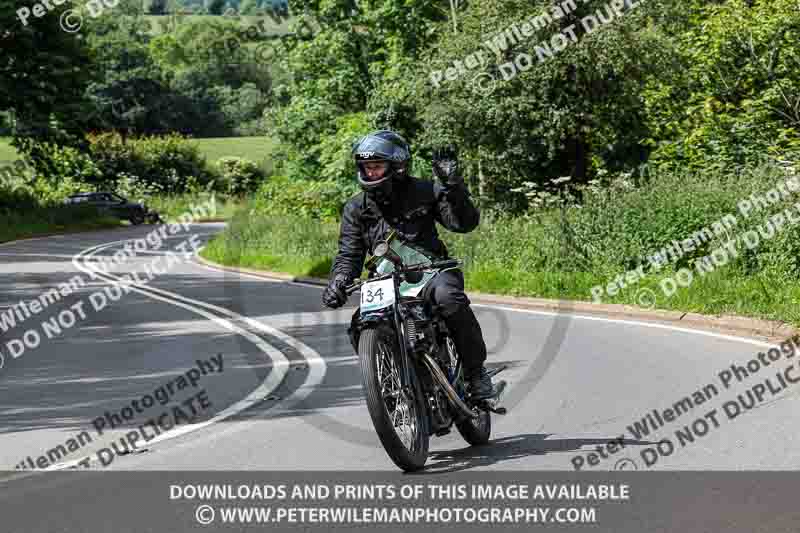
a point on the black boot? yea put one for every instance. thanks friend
(468, 338)
(480, 384)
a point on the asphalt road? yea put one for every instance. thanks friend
(270, 381)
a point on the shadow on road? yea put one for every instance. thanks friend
(509, 449)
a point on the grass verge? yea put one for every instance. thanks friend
(171, 207)
(559, 255)
(49, 221)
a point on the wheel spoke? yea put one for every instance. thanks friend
(403, 414)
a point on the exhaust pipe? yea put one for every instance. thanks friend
(437, 373)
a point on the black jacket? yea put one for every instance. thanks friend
(414, 207)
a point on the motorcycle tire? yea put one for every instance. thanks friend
(379, 355)
(476, 431)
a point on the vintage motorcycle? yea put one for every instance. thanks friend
(411, 370)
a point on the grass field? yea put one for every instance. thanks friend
(7, 152)
(160, 24)
(257, 149)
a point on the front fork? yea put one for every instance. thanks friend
(400, 328)
(354, 332)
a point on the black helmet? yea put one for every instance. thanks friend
(382, 145)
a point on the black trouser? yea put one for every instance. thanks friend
(447, 291)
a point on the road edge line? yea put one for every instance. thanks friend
(753, 327)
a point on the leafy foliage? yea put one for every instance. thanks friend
(170, 162)
(43, 74)
(737, 93)
(239, 175)
(313, 199)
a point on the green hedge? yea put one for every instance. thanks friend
(313, 199)
(562, 252)
(239, 175)
(171, 163)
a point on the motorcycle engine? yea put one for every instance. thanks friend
(419, 332)
(421, 336)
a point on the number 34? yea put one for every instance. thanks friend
(370, 296)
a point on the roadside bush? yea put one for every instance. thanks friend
(16, 199)
(169, 162)
(335, 150)
(50, 193)
(239, 176)
(55, 164)
(134, 189)
(735, 96)
(618, 224)
(314, 199)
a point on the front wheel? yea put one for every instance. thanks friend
(396, 408)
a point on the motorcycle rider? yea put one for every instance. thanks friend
(392, 199)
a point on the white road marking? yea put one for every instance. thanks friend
(270, 383)
(745, 340)
(315, 361)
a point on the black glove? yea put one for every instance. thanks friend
(445, 165)
(334, 295)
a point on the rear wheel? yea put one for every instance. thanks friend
(476, 431)
(396, 408)
(136, 219)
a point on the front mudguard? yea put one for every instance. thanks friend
(358, 323)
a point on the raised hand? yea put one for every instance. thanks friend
(445, 165)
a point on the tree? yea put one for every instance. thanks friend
(215, 7)
(334, 68)
(157, 7)
(738, 95)
(564, 101)
(44, 72)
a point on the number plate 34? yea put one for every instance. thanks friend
(377, 295)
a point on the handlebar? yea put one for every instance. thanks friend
(447, 263)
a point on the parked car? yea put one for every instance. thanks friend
(115, 205)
